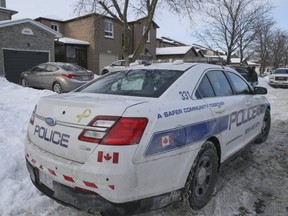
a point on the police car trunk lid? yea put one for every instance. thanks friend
(60, 119)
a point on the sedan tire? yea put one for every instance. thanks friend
(202, 177)
(57, 88)
(265, 127)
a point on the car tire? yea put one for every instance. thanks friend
(202, 178)
(57, 88)
(104, 72)
(265, 129)
(23, 82)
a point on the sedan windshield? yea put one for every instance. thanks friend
(281, 71)
(140, 82)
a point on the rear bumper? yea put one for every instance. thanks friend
(95, 203)
(70, 84)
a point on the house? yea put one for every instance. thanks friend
(5, 14)
(94, 41)
(170, 50)
(137, 30)
(24, 43)
(168, 42)
(185, 53)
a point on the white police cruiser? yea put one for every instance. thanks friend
(143, 137)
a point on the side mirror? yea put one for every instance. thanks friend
(260, 90)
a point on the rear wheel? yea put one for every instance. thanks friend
(265, 127)
(57, 88)
(202, 177)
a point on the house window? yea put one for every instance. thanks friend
(108, 29)
(55, 27)
(148, 36)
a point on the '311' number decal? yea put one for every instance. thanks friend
(185, 95)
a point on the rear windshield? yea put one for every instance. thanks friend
(71, 67)
(137, 82)
(281, 71)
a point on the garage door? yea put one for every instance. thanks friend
(16, 62)
(106, 59)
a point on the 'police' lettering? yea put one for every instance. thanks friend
(54, 137)
(243, 116)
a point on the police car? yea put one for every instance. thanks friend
(143, 137)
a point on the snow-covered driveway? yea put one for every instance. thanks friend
(255, 183)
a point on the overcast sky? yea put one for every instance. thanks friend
(170, 25)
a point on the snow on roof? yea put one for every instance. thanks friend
(168, 41)
(67, 40)
(213, 56)
(173, 50)
(235, 60)
(8, 10)
(252, 63)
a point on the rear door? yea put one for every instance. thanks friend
(48, 76)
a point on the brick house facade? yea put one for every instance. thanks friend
(24, 43)
(104, 36)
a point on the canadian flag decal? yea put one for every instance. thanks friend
(166, 140)
(108, 157)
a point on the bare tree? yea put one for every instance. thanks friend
(119, 10)
(279, 49)
(230, 25)
(263, 42)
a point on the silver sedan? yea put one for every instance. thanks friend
(56, 76)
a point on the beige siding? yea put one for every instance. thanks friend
(137, 34)
(90, 28)
(112, 46)
(48, 23)
(83, 29)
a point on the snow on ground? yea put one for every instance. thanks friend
(254, 183)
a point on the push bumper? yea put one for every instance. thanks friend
(278, 84)
(95, 203)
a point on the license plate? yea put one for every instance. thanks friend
(46, 180)
(85, 78)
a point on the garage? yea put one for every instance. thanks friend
(24, 44)
(106, 59)
(25, 60)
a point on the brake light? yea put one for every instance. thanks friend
(71, 76)
(109, 130)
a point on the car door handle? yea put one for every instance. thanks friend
(219, 110)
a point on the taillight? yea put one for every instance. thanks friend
(71, 76)
(99, 127)
(109, 130)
